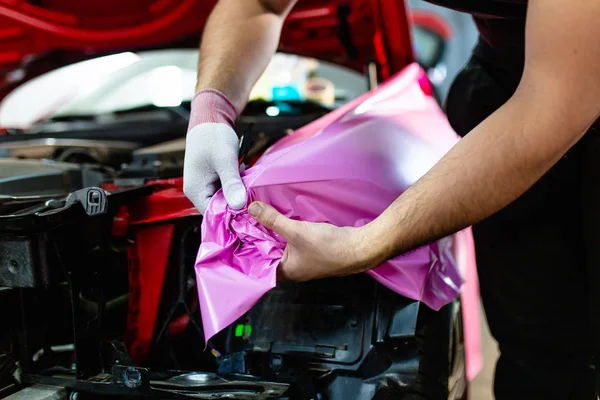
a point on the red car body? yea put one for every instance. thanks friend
(51, 33)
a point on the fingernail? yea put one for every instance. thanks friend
(255, 209)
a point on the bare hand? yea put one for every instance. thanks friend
(314, 250)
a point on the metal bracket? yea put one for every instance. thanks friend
(93, 200)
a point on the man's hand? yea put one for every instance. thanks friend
(313, 251)
(211, 151)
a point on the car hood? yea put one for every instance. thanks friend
(353, 33)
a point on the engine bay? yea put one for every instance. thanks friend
(115, 265)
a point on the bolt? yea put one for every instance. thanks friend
(132, 378)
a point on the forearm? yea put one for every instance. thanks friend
(555, 104)
(239, 39)
(488, 169)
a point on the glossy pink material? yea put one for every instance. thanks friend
(464, 248)
(344, 169)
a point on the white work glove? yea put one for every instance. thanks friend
(211, 152)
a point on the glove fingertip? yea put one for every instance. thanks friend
(236, 196)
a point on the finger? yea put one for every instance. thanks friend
(231, 182)
(270, 218)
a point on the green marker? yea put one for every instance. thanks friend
(239, 330)
(243, 330)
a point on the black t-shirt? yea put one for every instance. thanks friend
(494, 71)
(496, 67)
(501, 23)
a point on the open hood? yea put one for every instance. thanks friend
(353, 33)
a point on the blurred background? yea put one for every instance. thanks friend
(461, 40)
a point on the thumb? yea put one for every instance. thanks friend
(231, 182)
(272, 219)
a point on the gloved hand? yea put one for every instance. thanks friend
(211, 152)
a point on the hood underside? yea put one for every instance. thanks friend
(40, 35)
